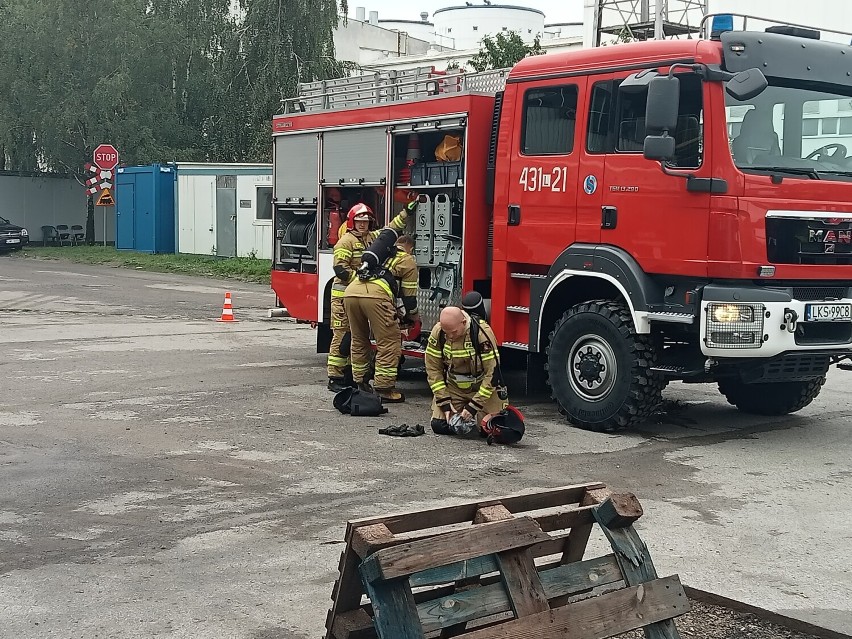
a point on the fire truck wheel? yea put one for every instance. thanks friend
(776, 398)
(599, 369)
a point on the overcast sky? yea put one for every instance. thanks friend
(554, 10)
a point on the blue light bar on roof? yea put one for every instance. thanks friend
(721, 23)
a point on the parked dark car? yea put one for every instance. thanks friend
(12, 236)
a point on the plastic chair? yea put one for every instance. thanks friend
(49, 234)
(78, 235)
(64, 234)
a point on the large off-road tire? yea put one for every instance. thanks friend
(599, 369)
(775, 398)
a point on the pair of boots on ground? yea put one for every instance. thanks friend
(387, 395)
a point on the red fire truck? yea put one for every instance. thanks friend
(633, 214)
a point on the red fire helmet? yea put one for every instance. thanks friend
(360, 212)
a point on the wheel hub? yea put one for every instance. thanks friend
(592, 368)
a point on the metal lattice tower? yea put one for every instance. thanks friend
(647, 19)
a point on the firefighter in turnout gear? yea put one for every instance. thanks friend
(461, 361)
(360, 233)
(371, 304)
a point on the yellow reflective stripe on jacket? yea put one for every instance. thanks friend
(485, 392)
(458, 352)
(437, 386)
(489, 355)
(384, 285)
(398, 222)
(434, 352)
(342, 253)
(337, 292)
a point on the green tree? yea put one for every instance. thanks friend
(277, 45)
(503, 50)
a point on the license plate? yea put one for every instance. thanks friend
(15, 241)
(828, 312)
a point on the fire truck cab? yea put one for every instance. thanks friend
(633, 214)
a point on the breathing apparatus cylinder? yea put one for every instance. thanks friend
(474, 304)
(381, 249)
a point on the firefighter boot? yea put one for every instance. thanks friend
(337, 384)
(390, 395)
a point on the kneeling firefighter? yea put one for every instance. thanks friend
(463, 371)
(387, 272)
(360, 232)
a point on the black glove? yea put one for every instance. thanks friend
(403, 430)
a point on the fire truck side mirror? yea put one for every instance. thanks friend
(747, 84)
(659, 147)
(663, 102)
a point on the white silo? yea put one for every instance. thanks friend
(463, 27)
(421, 29)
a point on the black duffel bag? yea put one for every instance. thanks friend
(359, 403)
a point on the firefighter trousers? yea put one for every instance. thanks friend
(379, 315)
(460, 398)
(337, 360)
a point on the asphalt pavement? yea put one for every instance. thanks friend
(166, 475)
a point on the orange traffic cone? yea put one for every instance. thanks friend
(227, 310)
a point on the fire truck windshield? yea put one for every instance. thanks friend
(794, 128)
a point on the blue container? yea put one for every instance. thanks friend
(145, 209)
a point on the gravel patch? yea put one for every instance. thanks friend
(706, 621)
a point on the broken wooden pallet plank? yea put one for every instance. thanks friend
(609, 614)
(631, 552)
(406, 559)
(368, 539)
(448, 515)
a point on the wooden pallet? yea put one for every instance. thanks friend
(501, 568)
(514, 561)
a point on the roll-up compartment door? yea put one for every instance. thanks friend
(355, 156)
(296, 178)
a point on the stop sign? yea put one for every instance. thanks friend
(105, 157)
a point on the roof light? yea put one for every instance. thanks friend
(721, 23)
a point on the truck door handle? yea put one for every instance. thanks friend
(609, 217)
(514, 214)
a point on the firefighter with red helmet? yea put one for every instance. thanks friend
(360, 232)
(461, 361)
(371, 306)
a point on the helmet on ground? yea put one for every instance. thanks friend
(506, 427)
(360, 213)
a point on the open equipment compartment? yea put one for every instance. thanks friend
(438, 220)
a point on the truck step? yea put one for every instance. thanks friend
(670, 370)
(529, 276)
(677, 318)
(517, 346)
(518, 309)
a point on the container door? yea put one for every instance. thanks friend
(296, 168)
(226, 215)
(355, 157)
(143, 225)
(125, 207)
